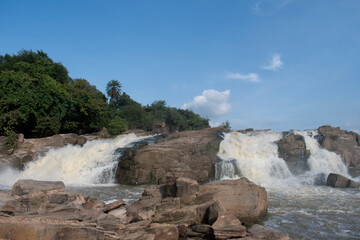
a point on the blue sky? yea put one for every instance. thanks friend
(279, 64)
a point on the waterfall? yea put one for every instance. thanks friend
(93, 163)
(322, 160)
(256, 158)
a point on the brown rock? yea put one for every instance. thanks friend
(120, 213)
(293, 150)
(155, 191)
(228, 226)
(259, 232)
(242, 198)
(344, 143)
(141, 210)
(181, 215)
(214, 211)
(164, 231)
(190, 154)
(92, 203)
(338, 181)
(201, 228)
(114, 205)
(32, 229)
(108, 222)
(29, 186)
(185, 186)
(5, 196)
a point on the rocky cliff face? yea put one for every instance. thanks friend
(190, 154)
(26, 150)
(292, 149)
(344, 143)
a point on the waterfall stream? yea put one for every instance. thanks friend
(92, 164)
(296, 206)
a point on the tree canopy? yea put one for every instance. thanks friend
(39, 98)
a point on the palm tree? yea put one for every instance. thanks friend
(113, 89)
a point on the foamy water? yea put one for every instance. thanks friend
(296, 206)
(92, 164)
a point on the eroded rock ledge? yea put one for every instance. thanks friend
(190, 154)
(179, 209)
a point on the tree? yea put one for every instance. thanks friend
(116, 126)
(113, 89)
(226, 124)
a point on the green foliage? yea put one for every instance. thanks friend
(38, 98)
(10, 137)
(116, 126)
(88, 107)
(226, 124)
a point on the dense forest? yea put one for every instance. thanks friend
(39, 98)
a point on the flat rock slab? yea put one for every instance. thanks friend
(28, 186)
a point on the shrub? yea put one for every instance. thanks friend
(116, 126)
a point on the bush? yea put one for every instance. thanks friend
(116, 126)
(10, 138)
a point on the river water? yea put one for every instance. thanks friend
(295, 205)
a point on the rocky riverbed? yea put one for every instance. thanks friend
(179, 209)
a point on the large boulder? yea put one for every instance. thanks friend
(292, 149)
(344, 143)
(242, 198)
(190, 154)
(338, 181)
(26, 150)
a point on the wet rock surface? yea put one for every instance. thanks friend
(49, 212)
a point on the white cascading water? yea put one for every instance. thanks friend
(90, 164)
(256, 155)
(322, 160)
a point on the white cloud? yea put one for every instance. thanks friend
(270, 7)
(275, 63)
(251, 77)
(210, 103)
(214, 124)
